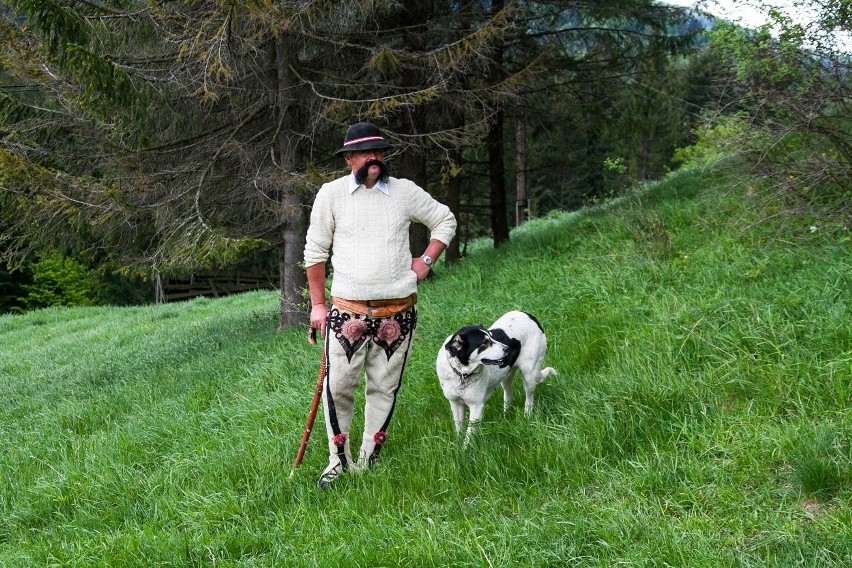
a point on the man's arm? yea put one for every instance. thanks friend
(316, 286)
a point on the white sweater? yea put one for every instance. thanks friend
(366, 232)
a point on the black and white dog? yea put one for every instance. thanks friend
(474, 360)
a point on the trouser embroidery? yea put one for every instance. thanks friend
(352, 330)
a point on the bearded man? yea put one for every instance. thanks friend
(361, 222)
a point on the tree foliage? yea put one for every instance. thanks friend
(796, 81)
(60, 281)
(189, 134)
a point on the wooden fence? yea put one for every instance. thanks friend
(211, 284)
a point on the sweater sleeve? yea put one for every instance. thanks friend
(321, 228)
(435, 215)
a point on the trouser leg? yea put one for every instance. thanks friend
(385, 365)
(344, 364)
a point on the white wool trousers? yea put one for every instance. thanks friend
(380, 348)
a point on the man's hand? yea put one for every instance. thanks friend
(420, 268)
(433, 251)
(318, 314)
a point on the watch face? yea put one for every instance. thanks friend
(427, 260)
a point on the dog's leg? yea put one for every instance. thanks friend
(476, 412)
(507, 391)
(469, 434)
(529, 387)
(457, 406)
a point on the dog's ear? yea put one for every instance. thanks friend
(459, 349)
(476, 334)
(464, 342)
(457, 346)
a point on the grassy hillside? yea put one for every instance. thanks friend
(701, 416)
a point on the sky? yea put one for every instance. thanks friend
(740, 12)
(745, 14)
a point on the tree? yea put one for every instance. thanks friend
(195, 133)
(794, 76)
(566, 64)
(178, 100)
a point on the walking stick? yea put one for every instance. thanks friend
(312, 414)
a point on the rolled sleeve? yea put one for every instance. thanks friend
(320, 231)
(445, 230)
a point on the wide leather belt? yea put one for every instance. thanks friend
(375, 308)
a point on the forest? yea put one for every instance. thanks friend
(140, 138)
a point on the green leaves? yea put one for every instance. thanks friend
(71, 43)
(796, 100)
(104, 84)
(60, 281)
(384, 62)
(56, 24)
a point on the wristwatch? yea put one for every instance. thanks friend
(428, 260)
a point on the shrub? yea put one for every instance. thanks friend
(60, 281)
(796, 101)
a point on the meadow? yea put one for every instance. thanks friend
(701, 416)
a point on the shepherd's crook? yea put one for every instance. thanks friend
(312, 414)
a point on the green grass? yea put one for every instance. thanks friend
(701, 416)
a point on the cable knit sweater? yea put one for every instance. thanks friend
(366, 232)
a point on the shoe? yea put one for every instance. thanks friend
(328, 476)
(373, 461)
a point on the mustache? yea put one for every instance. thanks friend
(361, 174)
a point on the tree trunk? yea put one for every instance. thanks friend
(292, 277)
(412, 161)
(497, 170)
(520, 166)
(496, 165)
(454, 189)
(412, 166)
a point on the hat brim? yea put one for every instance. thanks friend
(371, 145)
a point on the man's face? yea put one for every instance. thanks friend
(356, 160)
(374, 162)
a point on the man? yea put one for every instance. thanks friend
(361, 220)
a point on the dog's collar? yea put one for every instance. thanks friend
(462, 376)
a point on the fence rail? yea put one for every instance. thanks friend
(211, 284)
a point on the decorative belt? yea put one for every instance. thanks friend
(375, 308)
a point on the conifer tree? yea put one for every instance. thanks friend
(188, 134)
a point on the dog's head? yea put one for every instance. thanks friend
(472, 346)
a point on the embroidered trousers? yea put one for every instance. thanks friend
(378, 346)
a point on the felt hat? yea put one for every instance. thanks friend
(363, 136)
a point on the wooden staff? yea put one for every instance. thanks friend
(312, 414)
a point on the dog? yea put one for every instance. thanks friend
(474, 360)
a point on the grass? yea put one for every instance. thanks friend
(701, 416)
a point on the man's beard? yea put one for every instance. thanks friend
(361, 174)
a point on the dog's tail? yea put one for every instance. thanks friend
(546, 372)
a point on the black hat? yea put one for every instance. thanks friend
(363, 136)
